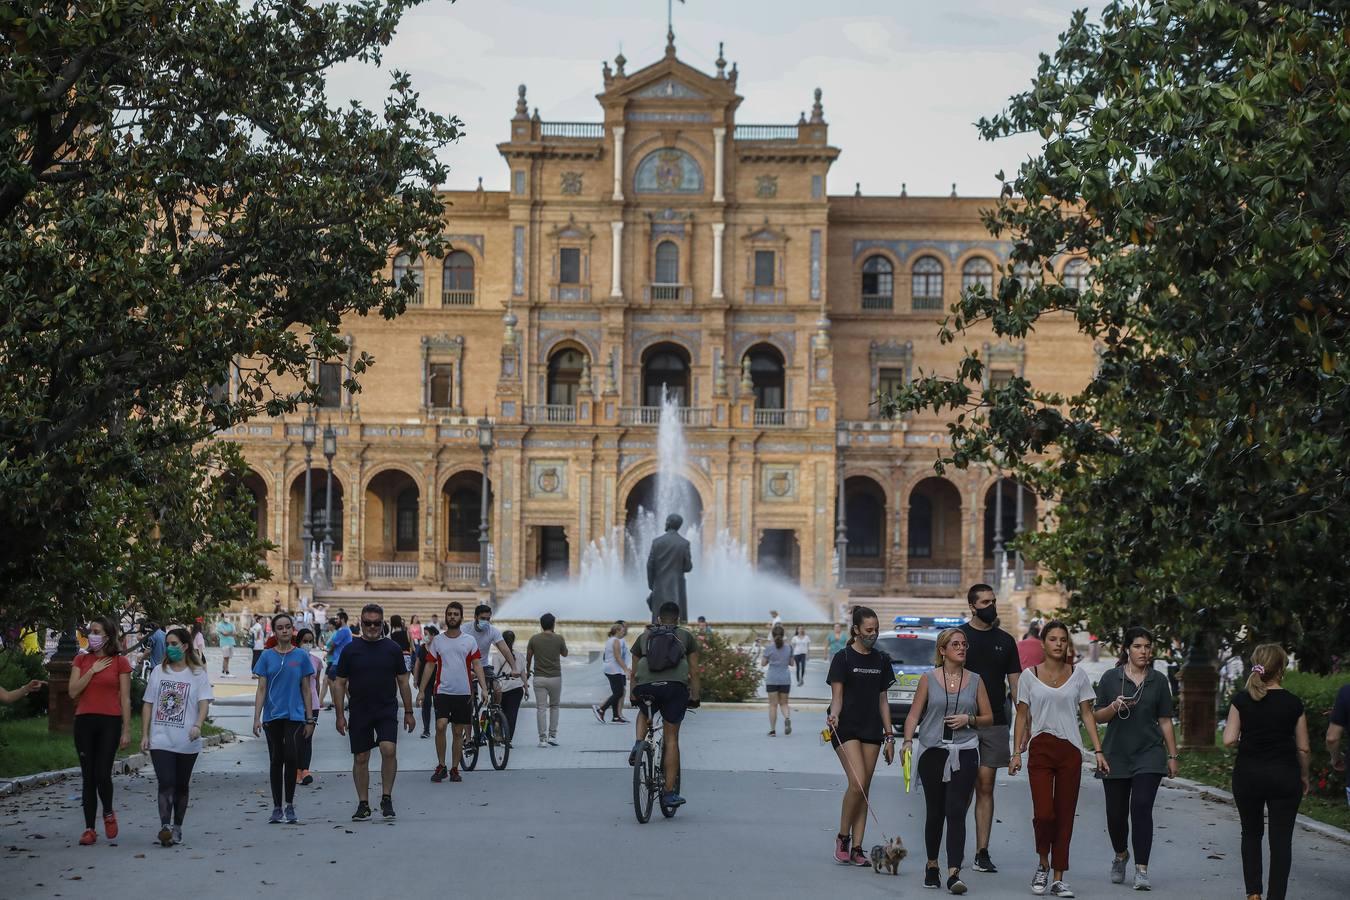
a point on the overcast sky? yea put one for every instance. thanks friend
(903, 80)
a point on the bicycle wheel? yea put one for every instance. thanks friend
(468, 754)
(499, 746)
(643, 784)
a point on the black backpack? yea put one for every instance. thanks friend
(664, 648)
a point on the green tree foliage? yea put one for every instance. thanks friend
(181, 208)
(1196, 152)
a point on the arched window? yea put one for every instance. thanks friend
(457, 284)
(667, 263)
(878, 283)
(1027, 276)
(1075, 274)
(668, 365)
(564, 376)
(668, 171)
(926, 283)
(406, 538)
(406, 266)
(977, 272)
(768, 376)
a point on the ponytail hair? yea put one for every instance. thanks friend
(1268, 663)
(1132, 634)
(860, 614)
(778, 635)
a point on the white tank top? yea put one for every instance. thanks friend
(612, 665)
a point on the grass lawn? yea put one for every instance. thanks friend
(27, 747)
(1217, 769)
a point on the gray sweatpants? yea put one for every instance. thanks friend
(547, 695)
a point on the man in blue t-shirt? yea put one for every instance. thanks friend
(342, 636)
(157, 639)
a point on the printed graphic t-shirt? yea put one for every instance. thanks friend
(102, 696)
(173, 698)
(865, 678)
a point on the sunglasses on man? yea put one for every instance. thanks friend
(372, 623)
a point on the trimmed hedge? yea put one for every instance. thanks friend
(1318, 693)
(726, 674)
(17, 669)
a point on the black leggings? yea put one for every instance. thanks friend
(96, 739)
(1276, 791)
(615, 700)
(947, 801)
(1129, 813)
(427, 697)
(284, 738)
(511, 708)
(800, 659)
(174, 771)
(306, 752)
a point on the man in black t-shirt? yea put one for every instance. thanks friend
(373, 674)
(992, 656)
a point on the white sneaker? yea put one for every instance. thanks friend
(553, 742)
(1061, 889)
(600, 717)
(543, 744)
(1141, 882)
(1040, 880)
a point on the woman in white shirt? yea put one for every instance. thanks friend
(617, 668)
(1052, 699)
(513, 689)
(177, 699)
(801, 649)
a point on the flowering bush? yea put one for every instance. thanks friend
(727, 674)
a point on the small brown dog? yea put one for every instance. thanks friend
(888, 856)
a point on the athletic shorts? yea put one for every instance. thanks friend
(995, 746)
(365, 732)
(671, 698)
(458, 708)
(225, 652)
(843, 737)
(778, 688)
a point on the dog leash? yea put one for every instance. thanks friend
(866, 801)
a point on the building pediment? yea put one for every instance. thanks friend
(669, 79)
(669, 89)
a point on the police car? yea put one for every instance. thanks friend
(912, 647)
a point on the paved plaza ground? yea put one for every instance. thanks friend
(559, 823)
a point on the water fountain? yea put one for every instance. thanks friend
(724, 585)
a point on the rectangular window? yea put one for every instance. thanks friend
(817, 187)
(999, 378)
(518, 182)
(442, 378)
(764, 266)
(405, 538)
(330, 385)
(888, 382)
(569, 265)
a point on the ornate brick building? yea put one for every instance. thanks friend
(667, 244)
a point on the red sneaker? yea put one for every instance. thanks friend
(859, 858)
(110, 825)
(455, 776)
(841, 849)
(88, 837)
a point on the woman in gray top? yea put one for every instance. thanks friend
(778, 680)
(949, 704)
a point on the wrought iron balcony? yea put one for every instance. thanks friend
(651, 415)
(780, 418)
(587, 130)
(668, 292)
(457, 298)
(878, 301)
(765, 133)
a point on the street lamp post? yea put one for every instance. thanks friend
(484, 444)
(329, 451)
(1000, 555)
(841, 523)
(307, 438)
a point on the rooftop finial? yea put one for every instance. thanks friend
(670, 41)
(857, 188)
(904, 189)
(522, 109)
(953, 188)
(817, 111)
(619, 62)
(721, 62)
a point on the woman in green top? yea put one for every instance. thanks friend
(225, 632)
(1136, 702)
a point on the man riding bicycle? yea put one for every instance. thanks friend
(488, 636)
(665, 678)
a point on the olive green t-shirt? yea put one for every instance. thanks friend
(643, 675)
(1134, 745)
(548, 648)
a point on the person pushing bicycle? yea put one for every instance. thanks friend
(666, 676)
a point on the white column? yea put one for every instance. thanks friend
(616, 258)
(719, 157)
(618, 163)
(717, 229)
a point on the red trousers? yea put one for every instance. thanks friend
(1055, 769)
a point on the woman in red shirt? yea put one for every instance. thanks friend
(100, 683)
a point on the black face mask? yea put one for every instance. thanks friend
(988, 614)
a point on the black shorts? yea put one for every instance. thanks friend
(671, 698)
(458, 708)
(778, 688)
(366, 731)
